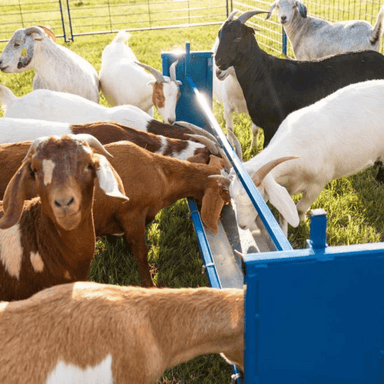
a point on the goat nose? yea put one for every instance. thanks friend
(171, 121)
(64, 203)
(283, 19)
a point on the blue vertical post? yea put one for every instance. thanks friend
(284, 38)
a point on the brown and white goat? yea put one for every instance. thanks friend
(151, 182)
(87, 332)
(50, 239)
(15, 130)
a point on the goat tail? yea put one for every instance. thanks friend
(121, 37)
(378, 30)
(6, 97)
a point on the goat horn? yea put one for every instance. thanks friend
(212, 146)
(33, 147)
(195, 129)
(158, 76)
(224, 180)
(238, 149)
(247, 15)
(172, 70)
(38, 30)
(232, 14)
(260, 174)
(228, 164)
(48, 32)
(92, 141)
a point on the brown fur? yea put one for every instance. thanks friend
(158, 97)
(110, 132)
(145, 331)
(152, 182)
(60, 237)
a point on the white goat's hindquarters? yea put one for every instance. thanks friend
(279, 197)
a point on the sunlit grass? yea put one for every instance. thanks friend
(354, 205)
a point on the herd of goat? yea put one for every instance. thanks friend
(72, 169)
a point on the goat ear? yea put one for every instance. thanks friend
(281, 200)
(211, 207)
(270, 10)
(14, 196)
(302, 9)
(109, 180)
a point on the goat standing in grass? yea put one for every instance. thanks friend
(314, 38)
(153, 182)
(96, 333)
(124, 81)
(57, 68)
(50, 239)
(336, 137)
(275, 87)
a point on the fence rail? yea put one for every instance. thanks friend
(70, 18)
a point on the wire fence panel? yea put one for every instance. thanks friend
(70, 18)
(270, 34)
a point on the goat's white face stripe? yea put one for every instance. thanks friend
(48, 166)
(64, 373)
(37, 262)
(10, 250)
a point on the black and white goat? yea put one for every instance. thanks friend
(274, 87)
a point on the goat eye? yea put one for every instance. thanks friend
(90, 167)
(237, 40)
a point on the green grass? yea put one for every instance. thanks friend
(354, 205)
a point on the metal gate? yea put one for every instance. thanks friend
(70, 18)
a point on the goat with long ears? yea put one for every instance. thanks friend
(50, 239)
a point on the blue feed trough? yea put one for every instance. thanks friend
(313, 315)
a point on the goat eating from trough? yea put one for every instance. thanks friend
(50, 239)
(151, 182)
(57, 68)
(124, 81)
(43, 104)
(96, 333)
(314, 38)
(16, 130)
(275, 87)
(338, 136)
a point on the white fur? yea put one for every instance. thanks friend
(71, 374)
(49, 105)
(313, 38)
(338, 136)
(57, 68)
(125, 82)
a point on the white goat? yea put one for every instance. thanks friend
(43, 104)
(57, 68)
(97, 333)
(314, 38)
(337, 136)
(227, 90)
(123, 81)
